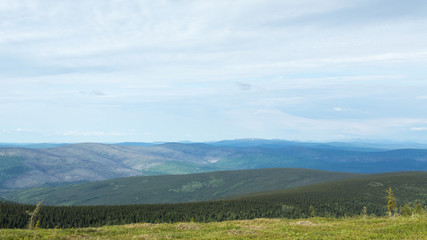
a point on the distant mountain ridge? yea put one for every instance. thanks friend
(22, 167)
(259, 142)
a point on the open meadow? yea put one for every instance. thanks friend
(411, 227)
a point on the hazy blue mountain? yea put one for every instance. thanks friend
(142, 144)
(31, 145)
(32, 167)
(277, 143)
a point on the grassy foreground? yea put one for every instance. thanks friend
(413, 227)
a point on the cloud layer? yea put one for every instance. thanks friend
(207, 70)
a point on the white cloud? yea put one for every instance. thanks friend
(24, 130)
(92, 133)
(385, 57)
(93, 92)
(160, 59)
(244, 86)
(278, 123)
(419, 128)
(271, 102)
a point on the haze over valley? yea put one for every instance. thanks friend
(70, 163)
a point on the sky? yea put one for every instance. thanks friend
(175, 70)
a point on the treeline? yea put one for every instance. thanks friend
(334, 199)
(16, 215)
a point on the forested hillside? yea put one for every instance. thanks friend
(336, 199)
(74, 163)
(175, 188)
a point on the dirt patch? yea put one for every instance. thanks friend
(304, 223)
(139, 225)
(144, 237)
(256, 227)
(240, 232)
(187, 226)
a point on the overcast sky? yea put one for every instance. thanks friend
(172, 70)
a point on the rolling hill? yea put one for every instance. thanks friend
(86, 162)
(349, 196)
(175, 188)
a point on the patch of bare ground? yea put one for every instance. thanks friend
(256, 224)
(256, 227)
(187, 226)
(240, 232)
(76, 237)
(304, 223)
(139, 225)
(144, 237)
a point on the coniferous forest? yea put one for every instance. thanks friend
(333, 199)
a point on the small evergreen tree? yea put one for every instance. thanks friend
(418, 207)
(312, 211)
(406, 210)
(32, 223)
(364, 211)
(391, 203)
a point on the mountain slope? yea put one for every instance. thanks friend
(175, 188)
(348, 196)
(24, 167)
(334, 199)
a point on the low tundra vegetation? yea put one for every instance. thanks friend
(360, 227)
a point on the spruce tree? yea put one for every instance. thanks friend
(32, 223)
(391, 203)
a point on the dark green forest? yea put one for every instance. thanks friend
(333, 199)
(175, 188)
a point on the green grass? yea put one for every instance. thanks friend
(413, 227)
